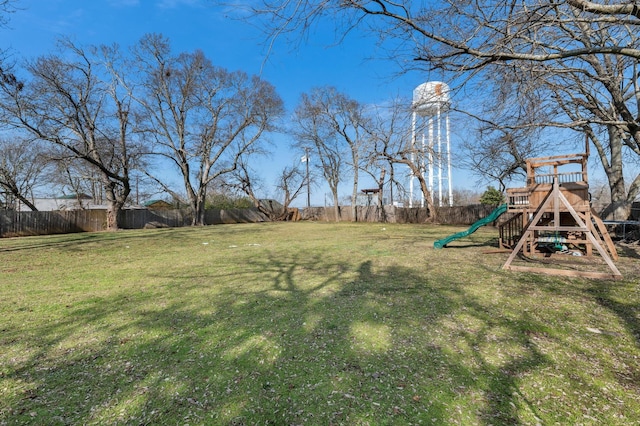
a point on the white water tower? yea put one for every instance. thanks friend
(430, 106)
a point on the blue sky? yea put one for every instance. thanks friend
(230, 43)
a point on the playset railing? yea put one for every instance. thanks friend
(518, 198)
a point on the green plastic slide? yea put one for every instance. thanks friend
(473, 228)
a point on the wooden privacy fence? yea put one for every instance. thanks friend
(14, 223)
(463, 215)
(139, 219)
(388, 214)
(459, 215)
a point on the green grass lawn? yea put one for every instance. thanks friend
(308, 323)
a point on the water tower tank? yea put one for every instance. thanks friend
(431, 97)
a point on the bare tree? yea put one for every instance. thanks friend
(348, 119)
(74, 177)
(374, 165)
(380, 167)
(204, 119)
(12, 150)
(389, 134)
(465, 197)
(578, 42)
(73, 102)
(604, 104)
(332, 124)
(7, 7)
(612, 127)
(22, 166)
(510, 129)
(499, 151)
(454, 35)
(243, 179)
(318, 129)
(595, 95)
(291, 183)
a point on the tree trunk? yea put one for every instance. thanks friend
(621, 199)
(381, 213)
(336, 204)
(618, 210)
(116, 196)
(431, 211)
(354, 195)
(198, 212)
(113, 210)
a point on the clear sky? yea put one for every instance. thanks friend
(229, 43)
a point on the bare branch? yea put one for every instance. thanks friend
(628, 9)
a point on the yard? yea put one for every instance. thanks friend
(308, 323)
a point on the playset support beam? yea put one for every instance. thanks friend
(552, 203)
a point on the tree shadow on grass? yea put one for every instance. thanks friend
(608, 296)
(319, 341)
(74, 241)
(629, 251)
(78, 242)
(470, 242)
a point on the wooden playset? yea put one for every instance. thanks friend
(553, 215)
